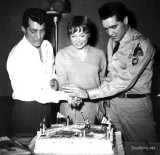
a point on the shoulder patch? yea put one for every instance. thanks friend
(138, 51)
(136, 54)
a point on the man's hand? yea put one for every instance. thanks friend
(76, 91)
(54, 84)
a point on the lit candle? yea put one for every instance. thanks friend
(67, 121)
(41, 128)
(44, 129)
(84, 133)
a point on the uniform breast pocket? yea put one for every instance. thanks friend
(123, 64)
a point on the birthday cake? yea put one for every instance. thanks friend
(78, 139)
(73, 140)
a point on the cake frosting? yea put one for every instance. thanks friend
(74, 140)
(78, 139)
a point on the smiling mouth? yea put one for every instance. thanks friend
(79, 44)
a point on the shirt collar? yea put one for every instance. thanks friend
(25, 40)
(129, 36)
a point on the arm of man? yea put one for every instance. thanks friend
(29, 83)
(122, 82)
(126, 79)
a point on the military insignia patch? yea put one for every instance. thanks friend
(135, 60)
(137, 53)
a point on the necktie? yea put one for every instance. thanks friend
(116, 47)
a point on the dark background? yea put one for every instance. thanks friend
(145, 16)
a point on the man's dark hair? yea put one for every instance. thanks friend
(111, 9)
(35, 14)
(77, 22)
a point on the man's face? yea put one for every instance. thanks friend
(34, 33)
(79, 39)
(115, 29)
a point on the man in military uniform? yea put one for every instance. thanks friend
(128, 83)
(130, 73)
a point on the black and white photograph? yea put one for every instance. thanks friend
(80, 77)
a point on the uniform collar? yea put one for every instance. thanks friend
(130, 35)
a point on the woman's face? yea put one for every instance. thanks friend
(79, 39)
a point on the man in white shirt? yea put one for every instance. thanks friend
(30, 66)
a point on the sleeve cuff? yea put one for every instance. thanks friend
(94, 93)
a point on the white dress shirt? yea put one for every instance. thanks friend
(30, 77)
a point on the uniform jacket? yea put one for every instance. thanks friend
(130, 68)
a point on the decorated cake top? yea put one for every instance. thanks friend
(80, 130)
(78, 139)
